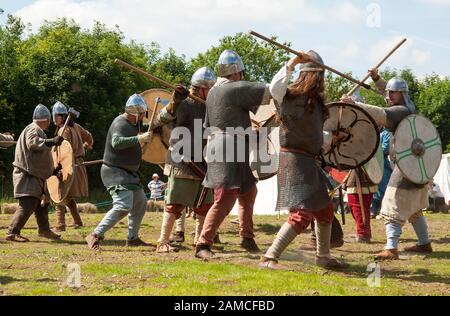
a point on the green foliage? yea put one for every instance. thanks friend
(434, 102)
(64, 62)
(261, 60)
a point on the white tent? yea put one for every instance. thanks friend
(266, 200)
(442, 177)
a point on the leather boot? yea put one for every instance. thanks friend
(249, 244)
(420, 249)
(75, 214)
(60, 218)
(203, 252)
(49, 235)
(271, 264)
(93, 241)
(387, 254)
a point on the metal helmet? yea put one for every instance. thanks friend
(136, 105)
(203, 78)
(310, 66)
(229, 63)
(397, 84)
(58, 108)
(41, 113)
(400, 85)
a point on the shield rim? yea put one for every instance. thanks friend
(72, 178)
(393, 146)
(156, 136)
(382, 167)
(332, 104)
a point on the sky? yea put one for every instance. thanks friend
(350, 35)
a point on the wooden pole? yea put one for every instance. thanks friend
(290, 50)
(355, 87)
(156, 79)
(90, 163)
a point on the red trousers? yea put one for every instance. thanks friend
(177, 209)
(300, 219)
(362, 228)
(224, 201)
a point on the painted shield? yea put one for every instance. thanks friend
(361, 136)
(417, 149)
(59, 186)
(264, 156)
(155, 151)
(338, 176)
(375, 167)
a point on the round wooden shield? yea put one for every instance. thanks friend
(155, 151)
(361, 142)
(374, 169)
(264, 115)
(417, 149)
(59, 187)
(264, 157)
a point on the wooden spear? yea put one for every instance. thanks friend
(290, 50)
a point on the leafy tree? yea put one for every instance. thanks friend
(261, 59)
(434, 102)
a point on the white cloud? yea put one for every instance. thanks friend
(436, 2)
(407, 55)
(347, 13)
(192, 26)
(352, 49)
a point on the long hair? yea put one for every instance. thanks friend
(310, 84)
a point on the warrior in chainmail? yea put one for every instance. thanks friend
(302, 186)
(185, 186)
(227, 111)
(119, 172)
(403, 199)
(33, 165)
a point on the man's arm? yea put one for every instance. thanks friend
(86, 136)
(279, 84)
(6, 137)
(121, 142)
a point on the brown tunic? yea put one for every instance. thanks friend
(33, 163)
(77, 136)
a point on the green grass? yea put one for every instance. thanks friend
(40, 267)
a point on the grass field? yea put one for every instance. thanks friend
(40, 267)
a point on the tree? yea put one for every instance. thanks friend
(75, 66)
(262, 60)
(434, 102)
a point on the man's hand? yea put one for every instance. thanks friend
(145, 138)
(347, 99)
(57, 172)
(178, 95)
(374, 74)
(294, 61)
(87, 146)
(55, 141)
